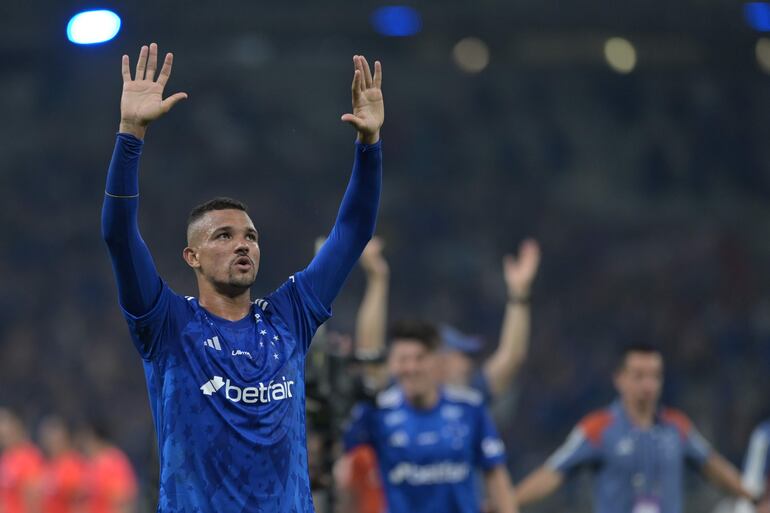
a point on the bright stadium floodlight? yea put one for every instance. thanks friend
(757, 15)
(396, 21)
(92, 27)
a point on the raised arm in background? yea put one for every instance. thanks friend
(519, 272)
(372, 317)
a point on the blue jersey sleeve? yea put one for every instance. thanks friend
(580, 448)
(490, 450)
(149, 330)
(695, 448)
(353, 228)
(302, 312)
(139, 284)
(359, 430)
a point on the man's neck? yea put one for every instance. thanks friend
(425, 401)
(642, 416)
(232, 305)
(232, 308)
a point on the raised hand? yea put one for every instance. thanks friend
(372, 260)
(520, 272)
(142, 100)
(368, 108)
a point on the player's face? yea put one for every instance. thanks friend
(455, 368)
(640, 380)
(413, 366)
(224, 249)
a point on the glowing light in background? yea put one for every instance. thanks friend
(757, 15)
(92, 27)
(762, 51)
(620, 54)
(396, 21)
(471, 54)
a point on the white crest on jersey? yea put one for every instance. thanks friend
(399, 439)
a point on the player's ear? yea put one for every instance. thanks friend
(191, 257)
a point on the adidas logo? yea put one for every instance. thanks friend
(213, 343)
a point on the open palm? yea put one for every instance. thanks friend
(368, 107)
(142, 100)
(520, 272)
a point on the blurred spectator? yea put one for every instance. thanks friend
(21, 467)
(110, 480)
(63, 484)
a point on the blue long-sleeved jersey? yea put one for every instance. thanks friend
(228, 398)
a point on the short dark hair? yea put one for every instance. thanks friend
(423, 332)
(636, 347)
(218, 203)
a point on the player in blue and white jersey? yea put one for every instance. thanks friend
(756, 471)
(225, 374)
(636, 448)
(430, 438)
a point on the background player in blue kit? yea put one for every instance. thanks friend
(636, 448)
(429, 438)
(225, 374)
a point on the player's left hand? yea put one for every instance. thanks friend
(520, 272)
(368, 108)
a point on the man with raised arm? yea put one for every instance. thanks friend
(225, 373)
(636, 448)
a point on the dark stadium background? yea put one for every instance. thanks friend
(649, 193)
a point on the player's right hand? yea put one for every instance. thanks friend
(142, 100)
(519, 272)
(372, 260)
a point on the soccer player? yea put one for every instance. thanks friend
(63, 483)
(458, 350)
(429, 437)
(21, 467)
(756, 471)
(636, 448)
(110, 481)
(225, 373)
